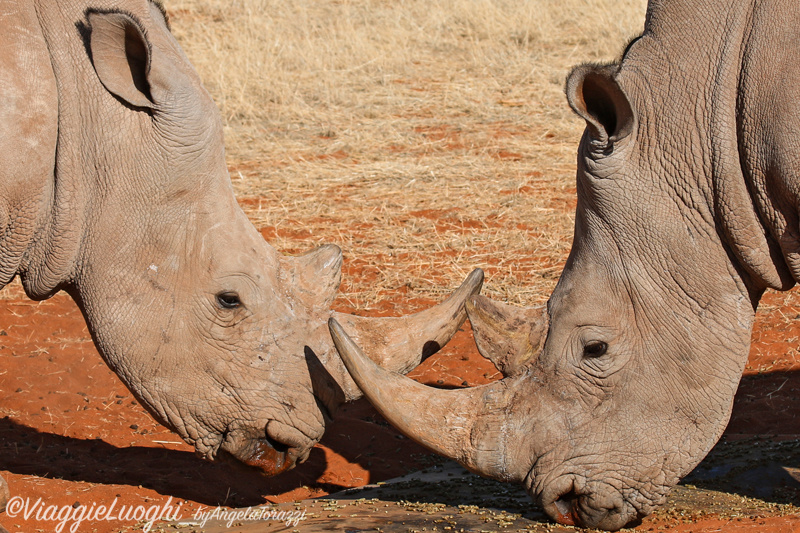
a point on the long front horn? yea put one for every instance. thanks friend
(468, 425)
(401, 343)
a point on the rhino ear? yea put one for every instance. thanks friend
(594, 94)
(121, 54)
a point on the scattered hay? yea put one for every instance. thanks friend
(424, 138)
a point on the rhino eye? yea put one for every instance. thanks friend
(228, 300)
(595, 349)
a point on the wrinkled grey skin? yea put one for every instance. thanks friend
(114, 188)
(688, 185)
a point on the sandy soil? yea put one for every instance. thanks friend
(73, 435)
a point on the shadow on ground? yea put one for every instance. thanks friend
(746, 476)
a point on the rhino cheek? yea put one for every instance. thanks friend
(256, 405)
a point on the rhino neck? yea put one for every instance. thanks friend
(766, 128)
(682, 77)
(688, 69)
(27, 142)
(743, 204)
(50, 261)
(101, 146)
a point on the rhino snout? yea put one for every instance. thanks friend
(272, 452)
(601, 507)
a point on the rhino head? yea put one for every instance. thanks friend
(220, 337)
(625, 380)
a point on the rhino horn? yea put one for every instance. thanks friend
(468, 425)
(506, 335)
(315, 275)
(401, 343)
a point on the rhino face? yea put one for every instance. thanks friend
(625, 381)
(215, 334)
(220, 337)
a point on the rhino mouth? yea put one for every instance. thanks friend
(274, 451)
(271, 457)
(571, 501)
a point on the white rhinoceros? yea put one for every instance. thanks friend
(114, 188)
(688, 188)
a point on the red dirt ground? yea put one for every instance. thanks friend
(72, 433)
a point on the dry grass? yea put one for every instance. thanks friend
(425, 138)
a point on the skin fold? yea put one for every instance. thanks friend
(688, 183)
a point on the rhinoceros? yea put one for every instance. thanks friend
(688, 185)
(114, 188)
